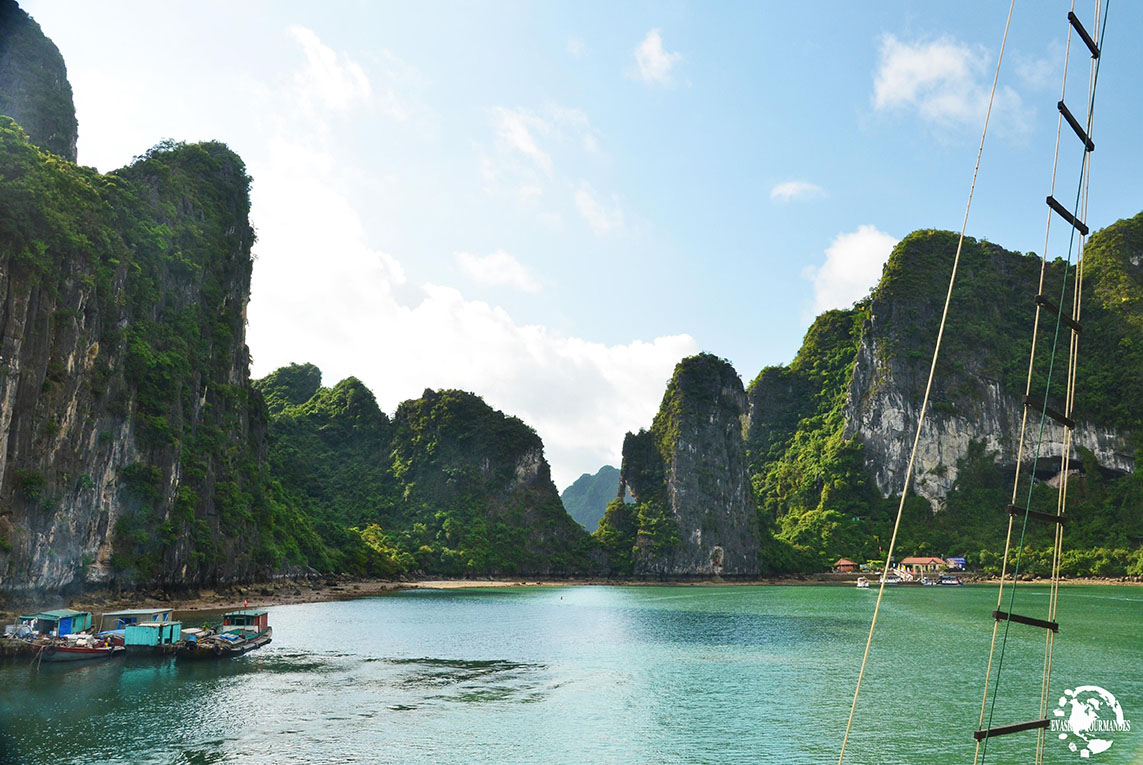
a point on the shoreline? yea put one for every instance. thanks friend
(289, 592)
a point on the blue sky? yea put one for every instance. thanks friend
(551, 203)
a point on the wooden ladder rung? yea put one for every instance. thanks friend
(1079, 131)
(1055, 309)
(1031, 621)
(1001, 730)
(1067, 422)
(1037, 515)
(1090, 43)
(1066, 215)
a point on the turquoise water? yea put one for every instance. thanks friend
(591, 675)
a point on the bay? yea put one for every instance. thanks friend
(599, 674)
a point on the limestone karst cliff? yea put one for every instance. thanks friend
(693, 512)
(824, 440)
(447, 486)
(131, 447)
(34, 89)
(829, 435)
(980, 386)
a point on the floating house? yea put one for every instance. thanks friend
(844, 566)
(62, 622)
(152, 634)
(117, 620)
(247, 617)
(923, 564)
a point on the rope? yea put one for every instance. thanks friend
(1057, 547)
(1027, 387)
(1069, 403)
(928, 387)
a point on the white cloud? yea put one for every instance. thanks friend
(575, 47)
(601, 219)
(653, 61)
(497, 269)
(324, 293)
(853, 264)
(330, 81)
(395, 80)
(946, 83)
(1040, 73)
(796, 190)
(517, 129)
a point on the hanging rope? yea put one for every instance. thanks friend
(928, 387)
(1079, 208)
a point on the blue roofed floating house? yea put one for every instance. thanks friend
(63, 621)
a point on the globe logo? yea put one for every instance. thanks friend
(1087, 715)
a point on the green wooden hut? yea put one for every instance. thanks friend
(150, 634)
(62, 621)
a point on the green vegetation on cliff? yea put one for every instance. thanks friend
(449, 486)
(145, 273)
(692, 512)
(809, 479)
(812, 475)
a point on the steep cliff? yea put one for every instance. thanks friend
(829, 435)
(693, 513)
(979, 385)
(449, 486)
(131, 447)
(34, 89)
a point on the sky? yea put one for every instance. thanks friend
(550, 204)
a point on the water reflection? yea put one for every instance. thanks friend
(571, 675)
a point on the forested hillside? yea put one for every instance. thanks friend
(449, 486)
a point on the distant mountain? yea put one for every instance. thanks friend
(587, 498)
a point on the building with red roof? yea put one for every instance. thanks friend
(925, 564)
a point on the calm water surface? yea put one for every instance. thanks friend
(591, 675)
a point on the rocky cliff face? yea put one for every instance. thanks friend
(882, 414)
(131, 448)
(34, 90)
(688, 476)
(978, 393)
(829, 435)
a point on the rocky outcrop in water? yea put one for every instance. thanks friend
(132, 448)
(693, 512)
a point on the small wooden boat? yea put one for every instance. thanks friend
(60, 652)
